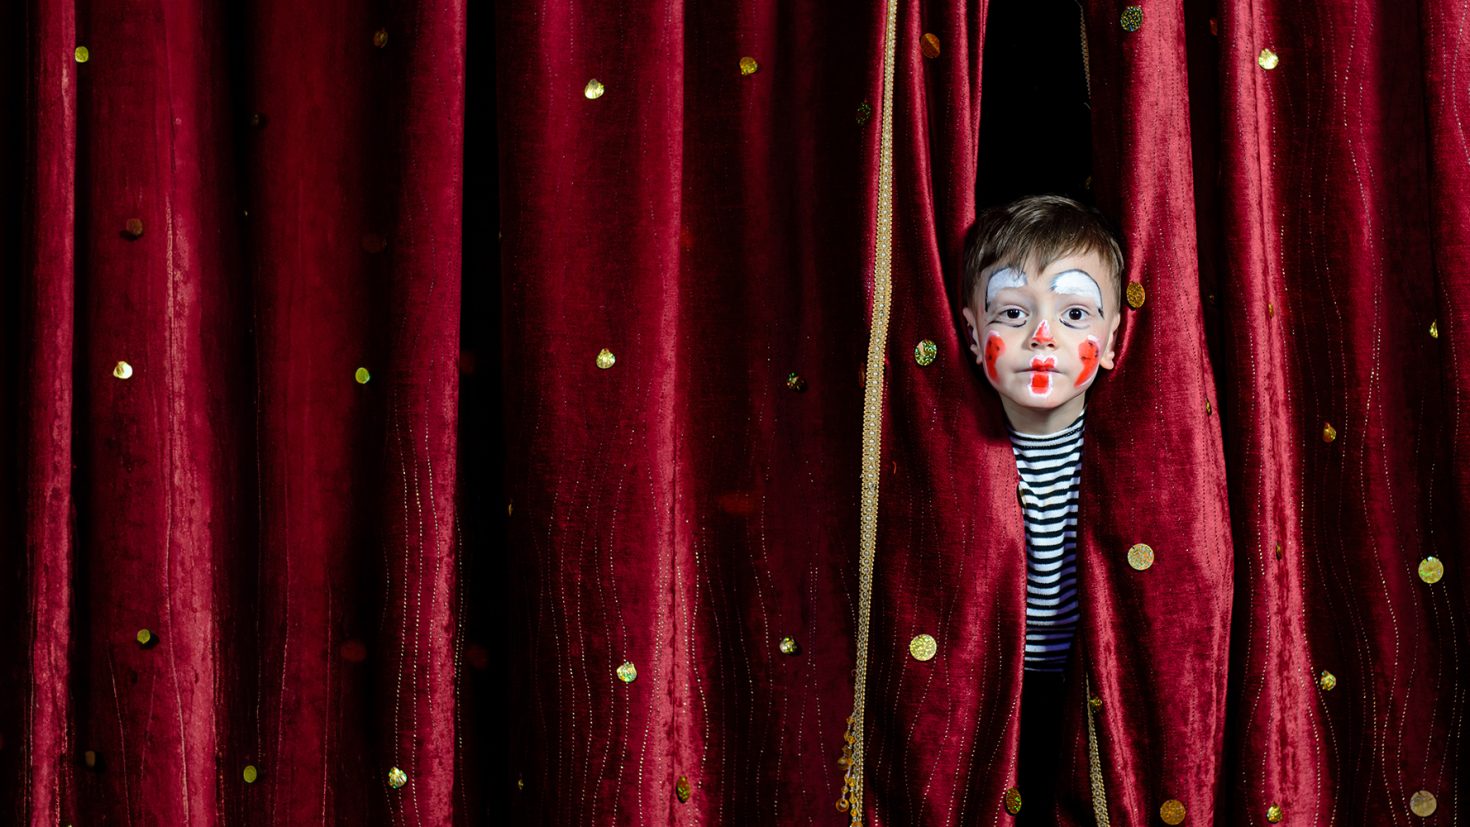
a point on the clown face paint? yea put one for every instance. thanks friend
(994, 347)
(1005, 277)
(1087, 354)
(1078, 283)
(1042, 338)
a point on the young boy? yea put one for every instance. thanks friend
(1042, 289)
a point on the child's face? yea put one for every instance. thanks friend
(1041, 337)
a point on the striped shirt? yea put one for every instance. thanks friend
(1050, 467)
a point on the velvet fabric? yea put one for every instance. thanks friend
(314, 550)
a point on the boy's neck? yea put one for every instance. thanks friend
(1040, 422)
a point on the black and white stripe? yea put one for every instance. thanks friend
(1051, 476)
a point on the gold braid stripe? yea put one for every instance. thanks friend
(1094, 763)
(873, 410)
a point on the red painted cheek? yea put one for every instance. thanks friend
(994, 346)
(1087, 353)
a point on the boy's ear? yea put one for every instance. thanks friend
(1109, 357)
(974, 326)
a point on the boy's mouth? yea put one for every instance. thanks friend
(1044, 363)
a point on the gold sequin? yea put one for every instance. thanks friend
(606, 359)
(510, 507)
(82, 54)
(929, 45)
(251, 773)
(362, 376)
(122, 370)
(1327, 681)
(1267, 59)
(1270, 310)
(146, 638)
(396, 777)
(627, 672)
(258, 119)
(89, 759)
(594, 89)
(683, 790)
(864, 112)
(1136, 295)
(1140, 556)
(1431, 570)
(1095, 702)
(795, 382)
(1131, 21)
(788, 646)
(748, 66)
(1423, 804)
(1172, 811)
(925, 352)
(1329, 433)
(1013, 800)
(133, 228)
(1434, 329)
(380, 38)
(520, 782)
(1273, 813)
(1209, 409)
(923, 647)
(1280, 552)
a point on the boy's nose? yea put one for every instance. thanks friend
(1042, 335)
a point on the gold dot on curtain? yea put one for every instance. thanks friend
(520, 782)
(1172, 811)
(257, 120)
(1209, 409)
(606, 359)
(146, 637)
(372, 243)
(1270, 310)
(1131, 20)
(133, 228)
(1423, 804)
(1273, 813)
(864, 112)
(89, 759)
(380, 38)
(682, 789)
(923, 647)
(1140, 556)
(362, 376)
(397, 778)
(250, 773)
(1012, 801)
(788, 646)
(1267, 59)
(1329, 433)
(82, 54)
(122, 370)
(1095, 702)
(627, 672)
(1135, 294)
(929, 45)
(510, 508)
(748, 66)
(1431, 570)
(594, 89)
(925, 352)
(795, 382)
(1434, 329)
(1327, 681)
(1280, 552)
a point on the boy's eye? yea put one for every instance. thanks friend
(1012, 314)
(1075, 314)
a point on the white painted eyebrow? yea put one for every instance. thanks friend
(1004, 278)
(1077, 283)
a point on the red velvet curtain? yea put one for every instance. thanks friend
(256, 524)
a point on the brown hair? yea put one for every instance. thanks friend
(1044, 227)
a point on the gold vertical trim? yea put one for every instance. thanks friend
(873, 410)
(1094, 762)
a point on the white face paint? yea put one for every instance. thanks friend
(1077, 283)
(1002, 279)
